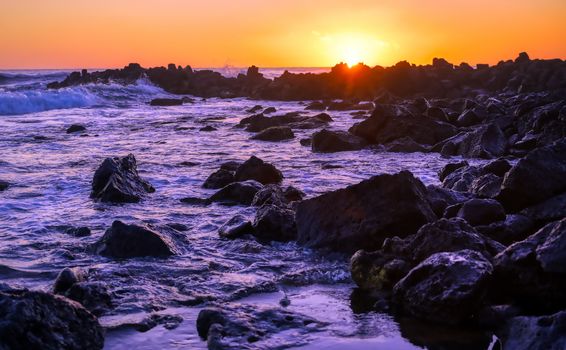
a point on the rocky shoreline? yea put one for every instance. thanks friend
(484, 250)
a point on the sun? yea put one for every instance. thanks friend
(353, 48)
(352, 55)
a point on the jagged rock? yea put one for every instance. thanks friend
(219, 179)
(128, 241)
(238, 192)
(377, 271)
(486, 141)
(486, 186)
(405, 145)
(91, 295)
(236, 227)
(270, 194)
(275, 133)
(75, 128)
(363, 215)
(293, 194)
(78, 231)
(446, 287)
(535, 178)
(335, 141)
(38, 320)
(515, 228)
(117, 180)
(274, 223)
(536, 332)
(450, 168)
(441, 198)
(551, 209)
(258, 170)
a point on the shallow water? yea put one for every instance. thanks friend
(51, 180)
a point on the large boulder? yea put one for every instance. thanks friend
(328, 141)
(535, 178)
(446, 287)
(535, 332)
(534, 270)
(258, 170)
(481, 211)
(486, 141)
(237, 192)
(219, 179)
(117, 180)
(38, 320)
(363, 215)
(274, 223)
(128, 241)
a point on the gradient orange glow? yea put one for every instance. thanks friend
(112, 33)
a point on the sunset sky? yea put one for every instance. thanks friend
(213, 33)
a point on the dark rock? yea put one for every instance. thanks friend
(306, 142)
(238, 192)
(325, 117)
(377, 271)
(450, 168)
(236, 227)
(462, 178)
(269, 110)
(535, 178)
(316, 105)
(66, 278)
(405, 145)
(441, 198)
(536, 332)
(128, 241)
(275, 133)
(335, 141)
(94, 296)
(75, 128)
(498, 167)
(274, 223)
(117, 180)
(208, 128)
(4, 185)
(78, 231)
(270, 194)
(219, 179)
(468, 118)
(293, 194)
(254, 109)
(533, 271)
(166, 102)
(486, 141)
(363, 215)
(515, 228)
(230, 166)
(38, 320)
(486, 186)
(551, 209)
(446, 287)
(256, 169)
(481, 211)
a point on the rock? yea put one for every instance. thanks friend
(275, 133)
(325, 117)
(238, 192)
(446, 287)
(166, 102)
(274, 223)
(450, 168)
(269, 110)
(487, 186)
(223, 326)
(78, 231)
(536, 332)
(236, 227)
(377, 271)
(75, 128)
(405, 145)
(219, 179)
(230, 166)
(117, 181)
(535, 178)
(293, 194)
(363, 215)
(316, 105)
(128, 241)
(256, 169)
(444, 235)
(208, 128)
(468, 118)
(461, 179)
(4, 185)
(441, 198)
(38, 320)
(486, 141)
(498, 167)
(533, 271)
(481, 211)
(255, 109)
(515, 228)
(270, 194)
(92, 295)
(335, 141)
(551, 209)
(306, 142)
(66, 278)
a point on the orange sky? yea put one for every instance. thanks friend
(112, 33)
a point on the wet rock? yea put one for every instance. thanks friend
(293, 194)
(446, 287)
(208, 128)
(535, 178)
(269, 110)
(486, 141)
(38, 320)
(66, 279)
(377, 271)
(274, 223)
(468, 118)
(486, 186)
(270, 194)
(551, 209)
(254, 109)
(4, 185)
(238, 192)
(306, 142)
(481, 211)
(230, 166)
(316, 105)
(128, 241)
(533, 271)
(258, 170)
(444, 235)
(405, 145)
(535, 332)
(441, 198)
(335, 141)
(166, 102)
(75, 128)
(450, 168)
(236, 227)
(275, 133)
(325, 117)
(78, 231)
(498, 167)
(515, 228)
(461, 179)
(117, 181)
(219, 179)
(231, 328)
(94, 296)
(363, 215)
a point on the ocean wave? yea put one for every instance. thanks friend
(23, 102)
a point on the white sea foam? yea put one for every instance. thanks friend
(22, 102)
